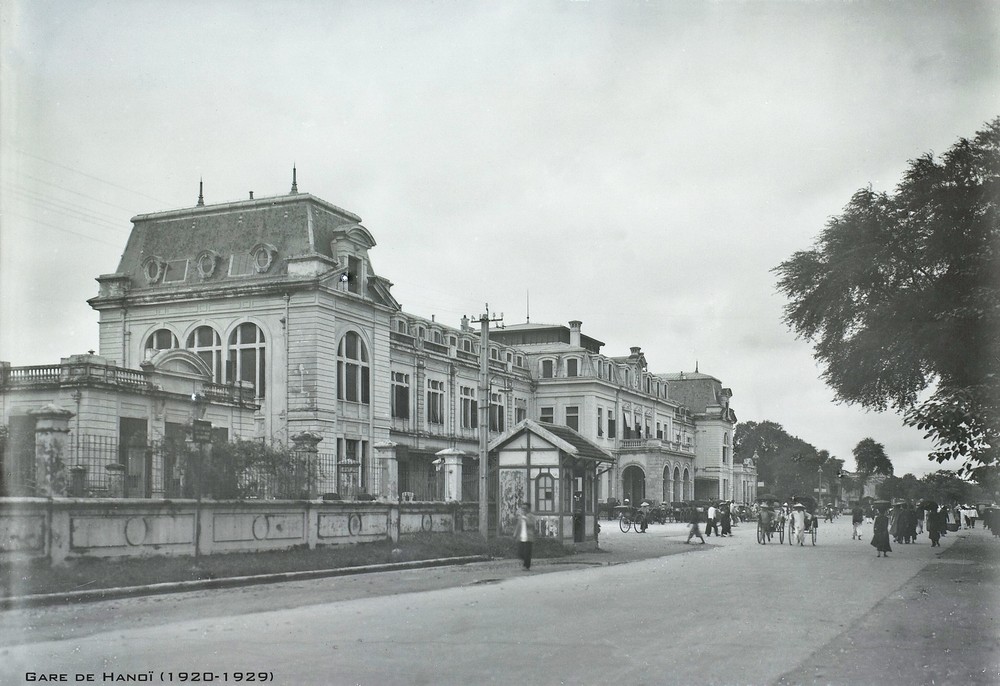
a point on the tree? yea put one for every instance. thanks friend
(786, 463)
(901, 298)
(870, 458)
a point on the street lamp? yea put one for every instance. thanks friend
(819, 489)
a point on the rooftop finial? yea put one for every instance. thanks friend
(295, 185)
(201, 194)
(696, 366)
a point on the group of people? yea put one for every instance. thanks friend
(719, 519)
(903, 522)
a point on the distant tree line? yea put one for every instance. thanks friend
(790, 466)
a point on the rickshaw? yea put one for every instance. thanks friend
(777, 524)
(812, 519)
(630, 517)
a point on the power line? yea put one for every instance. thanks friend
(82, 195)
(67, 208)
(91, 176)
(36, 222)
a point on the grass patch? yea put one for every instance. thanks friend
(37, 576)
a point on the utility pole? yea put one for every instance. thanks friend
(484, 418)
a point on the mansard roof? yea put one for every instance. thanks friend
(236, 241)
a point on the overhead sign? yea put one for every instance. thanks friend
(202, 432)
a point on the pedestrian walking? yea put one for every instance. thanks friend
(935, 525)
(524, 534)
(726, 520)
(799, 522)
(857, 519)
(694, 530)
(880, 534)
(710, 523)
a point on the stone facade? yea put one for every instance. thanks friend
(280, 295)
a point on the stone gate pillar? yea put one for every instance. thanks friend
(52, 479)
(452, 466)
(388, 489)
(305, 443)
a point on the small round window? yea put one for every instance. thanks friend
(152, 269)
(207, 261)
(263, 256)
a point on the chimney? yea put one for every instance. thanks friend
(574, 333)
(465, 323)
(251, 195)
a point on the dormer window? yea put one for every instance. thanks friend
(547, 369)
(572, 367)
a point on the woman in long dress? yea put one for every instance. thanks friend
(880, 537)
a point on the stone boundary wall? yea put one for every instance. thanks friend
(70, 528)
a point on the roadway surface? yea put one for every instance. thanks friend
(649, 610)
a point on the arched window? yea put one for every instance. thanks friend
(353, 372)
(246, 356)
(161, 339)
(545, 493)
(206, 343)
(572, 367)
(547, 369)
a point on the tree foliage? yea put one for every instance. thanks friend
(870, 458)
(245, 469)
(787, 464)
(900, 296)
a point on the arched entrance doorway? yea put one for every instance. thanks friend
(633, 484)
(678, 494)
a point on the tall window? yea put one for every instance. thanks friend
(545, 493)
(206, 344)
(547, 369)
(497, 413)
(520, 410)
(600, 421)
(573, 417)
(161, 339)
(246, 356)
(611, 424)
(435, 401)
(470, 407)
(572, 367)
(353, 370)
(546, 415)
(400, 395)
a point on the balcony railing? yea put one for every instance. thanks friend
(31, 376)
(655, 444)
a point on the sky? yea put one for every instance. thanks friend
(639, 166)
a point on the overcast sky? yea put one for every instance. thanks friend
(639, 166)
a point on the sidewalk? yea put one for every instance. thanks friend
(623, 549)
(941, 627)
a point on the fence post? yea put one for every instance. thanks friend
(51, 431)
(389, 488)
(305, 442)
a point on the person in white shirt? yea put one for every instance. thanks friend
(712, 525)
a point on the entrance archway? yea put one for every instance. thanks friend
(678, 493)
(634, 484)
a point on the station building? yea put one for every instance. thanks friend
(278, 297)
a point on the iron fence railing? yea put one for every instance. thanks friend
(99, 466)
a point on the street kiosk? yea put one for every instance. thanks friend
(554, 469)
